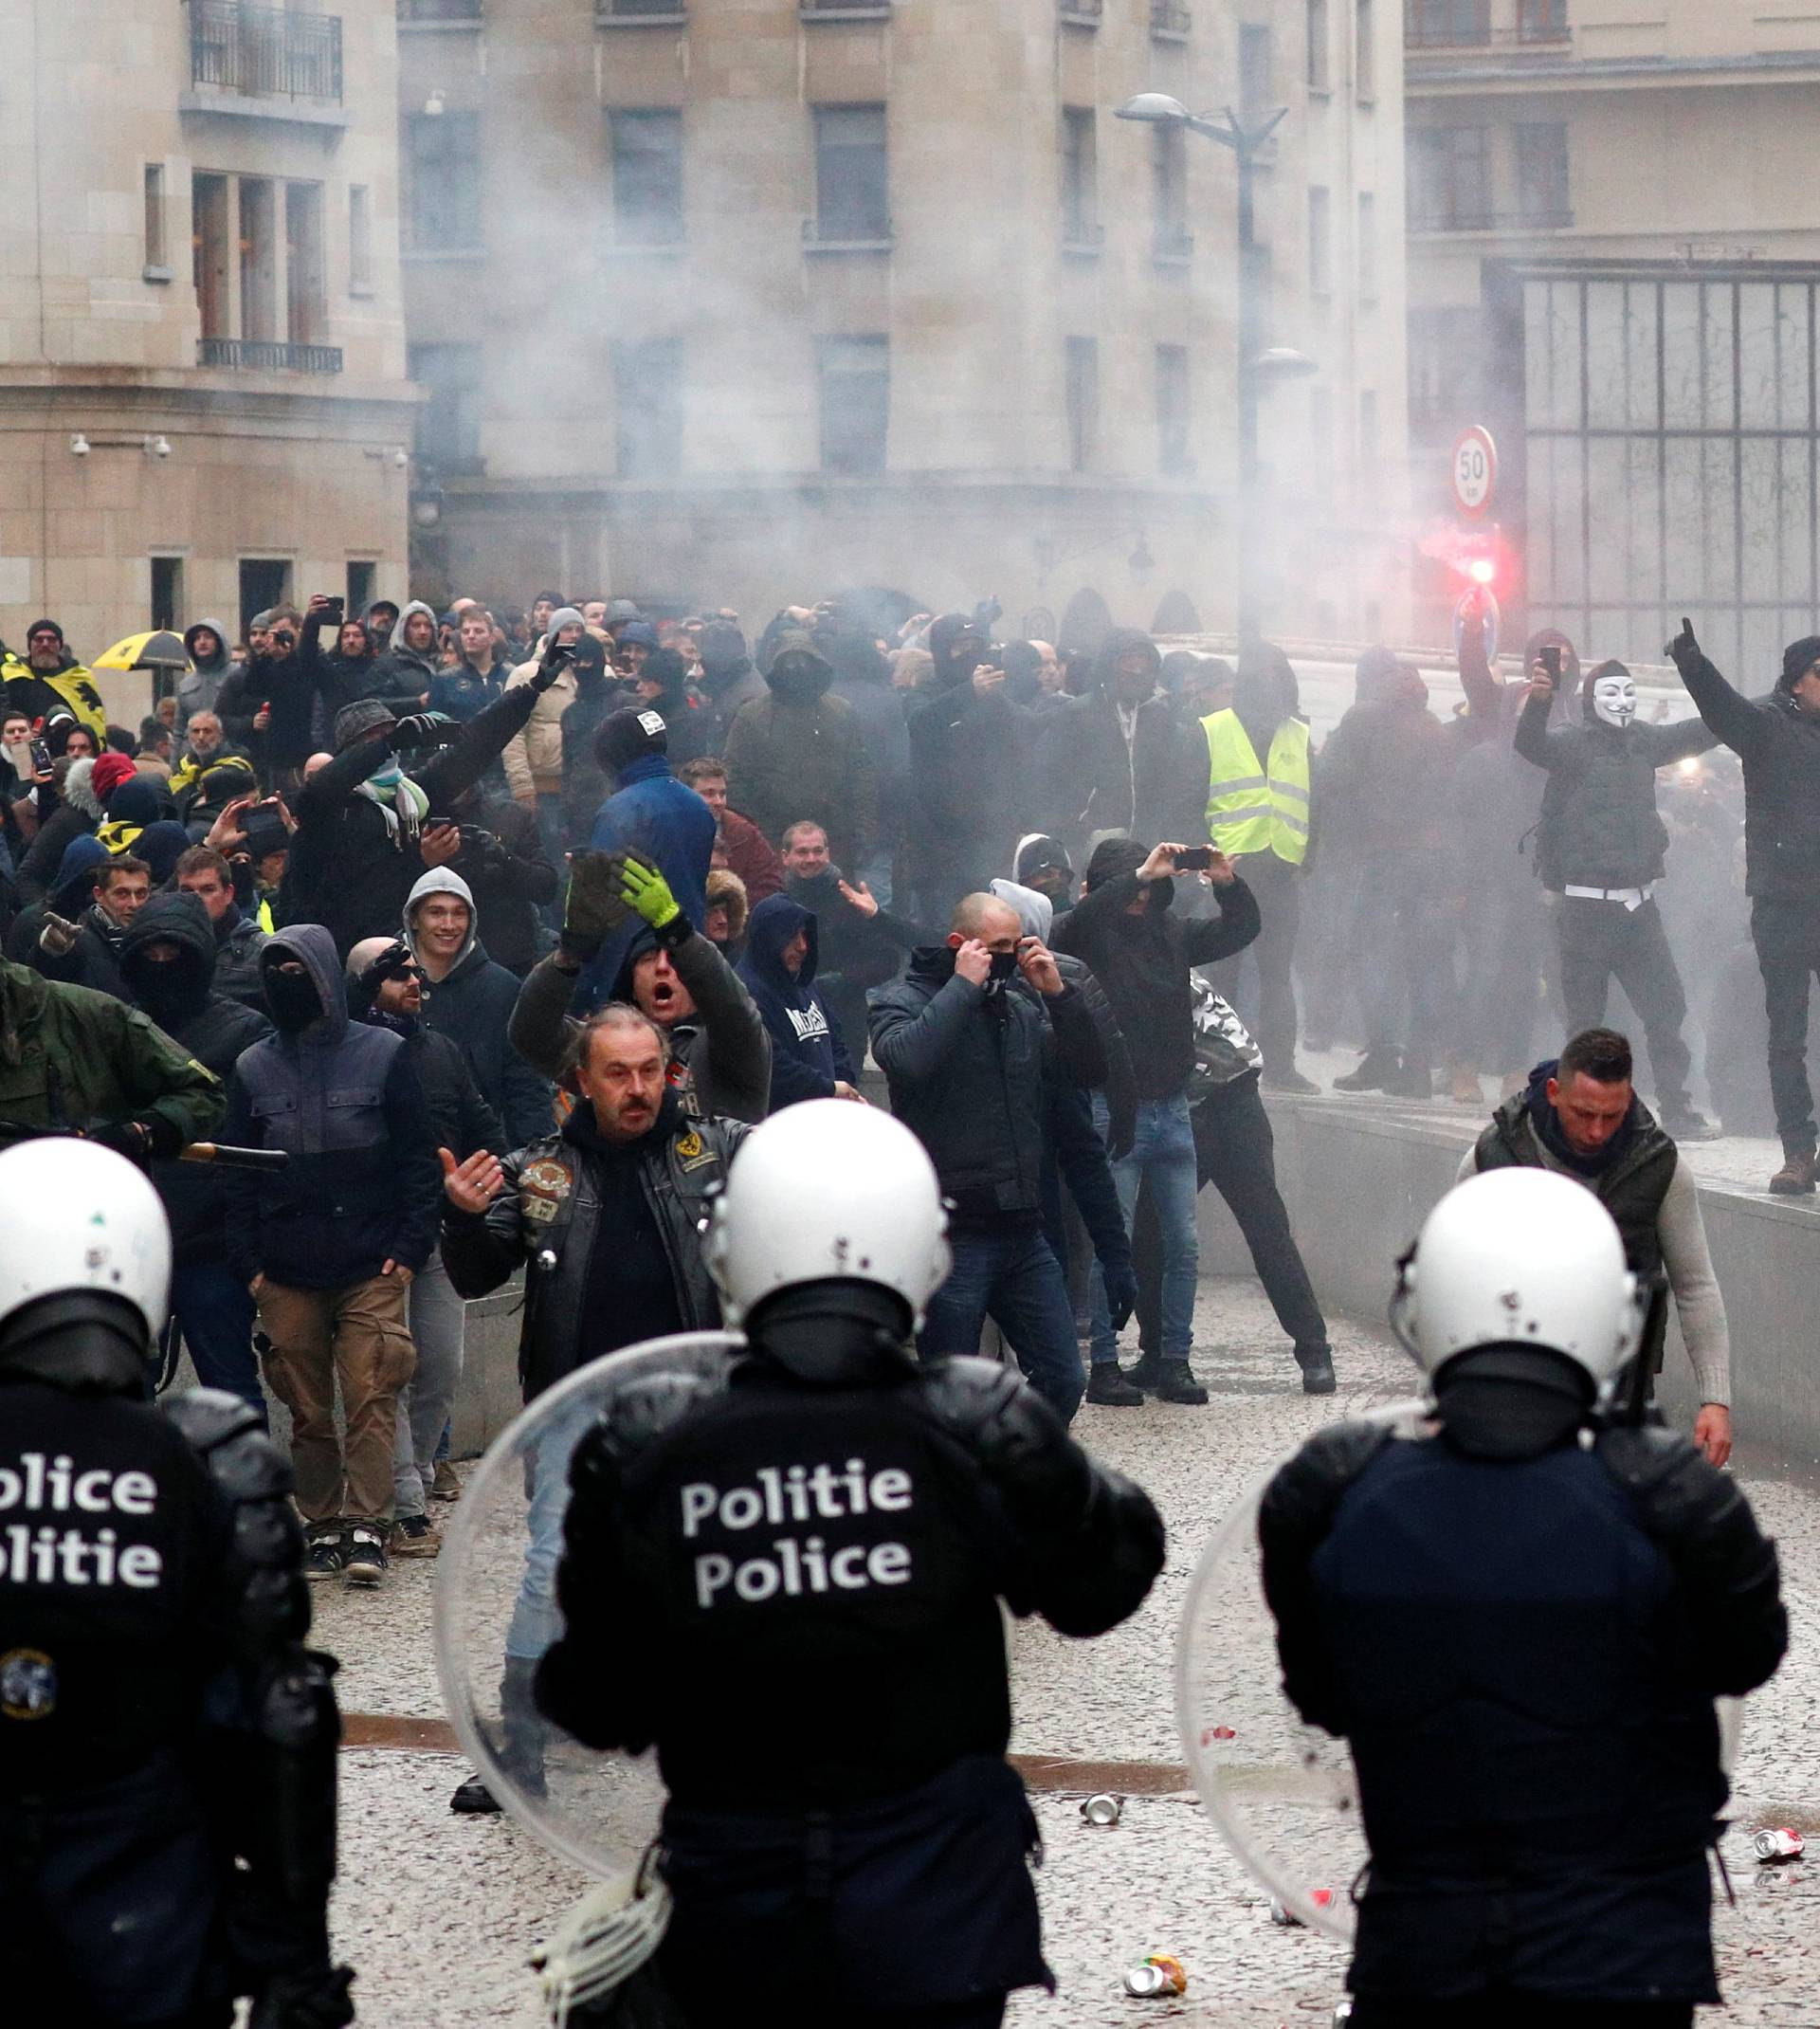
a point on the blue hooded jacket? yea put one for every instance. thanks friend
(665, 820)
(806, 1052)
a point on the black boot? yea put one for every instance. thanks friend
(1108, 1387)
(520, 1746)
(1178, 1385)
(1148, 1372)
(1377, 1071)
(1316, 1364)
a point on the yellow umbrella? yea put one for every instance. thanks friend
(159, 650)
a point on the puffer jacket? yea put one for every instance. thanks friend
(533, 757)
(547, 1218)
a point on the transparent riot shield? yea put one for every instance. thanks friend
(1282, 1794)
(497, 1613)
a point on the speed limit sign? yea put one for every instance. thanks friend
(1474, 470)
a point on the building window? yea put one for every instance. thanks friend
(167, 593)
(1446, 349)
(305, 268)
(210, 242)
(1368, 435)
(449, 425)
(1450, 180)
(258, 257)
(359, 240)
(362, 572)
(1320, 241)
(1542, 20)
(157, 253)
(1082, 393)
(856, 403)
(852, 187)
(648, 177)
(1367, 248)
(1257, 92)
(1447, 24)
(647, 412)
(1169, 191)
(1080, 177)
(1541, 174)
(265, 582)
(1173, 419)
(443, 179)
(1364, 51)
(1320, 78)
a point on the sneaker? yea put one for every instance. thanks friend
(1376, 1069)
(1689, 1127)
(1795, 1178)
(1178, 1385)
(413, 1536)
(1290, 1081)
(1107, 1386)
(473, 1798)
(366, 1553)
(1316, 1364)
(447, 1486)
(325, 1553)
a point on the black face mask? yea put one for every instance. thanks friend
(293, 999)
(168, 987)
(1004, 968)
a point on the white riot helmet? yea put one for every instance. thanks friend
(1526, 1257)
(79, 1217)
(826, 1189)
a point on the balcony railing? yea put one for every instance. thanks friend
(641, 13)
(265, 52)
(1081, 14)
(1489, 221)
(843, 9)
(269, 355)
(457, 11)
(1169, 21)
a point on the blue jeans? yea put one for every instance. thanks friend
(1162, 1155)
(214, 1311)
(1015, 1280)
(536, 1619)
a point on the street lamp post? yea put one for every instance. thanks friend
(1256, 362)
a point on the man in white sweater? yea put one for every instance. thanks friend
(1582, 1117)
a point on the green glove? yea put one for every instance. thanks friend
(593, 910)
(645, 890)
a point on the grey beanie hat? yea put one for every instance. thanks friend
(361, 716)
(563, 616)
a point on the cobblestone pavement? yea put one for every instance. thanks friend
(439, 1913)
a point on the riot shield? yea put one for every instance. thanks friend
(497, 1613)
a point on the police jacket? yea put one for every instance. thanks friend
(1779, 745)
(966, 1067)
(548, 1217)
(1600, 825)
(1522, 1652)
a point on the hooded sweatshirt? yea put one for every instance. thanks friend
(799, 752)
(405, 671)
(363, 1185)
(472, 1005)
(200, 685)
(807, 1052)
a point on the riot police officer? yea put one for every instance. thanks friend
(1519, 1625)
(790, 1581)
(167, 1743)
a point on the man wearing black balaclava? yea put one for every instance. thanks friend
(962, 738)
(799, 752)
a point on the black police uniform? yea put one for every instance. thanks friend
(790, 1581)
(1521, 1637)
(160, 1720)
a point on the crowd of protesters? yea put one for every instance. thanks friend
(426, 890)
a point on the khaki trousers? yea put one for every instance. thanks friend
(356, 1335)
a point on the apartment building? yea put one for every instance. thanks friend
(202, 403)
(730, 298)
(1614, 247)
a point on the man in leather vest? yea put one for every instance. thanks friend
(853, 1846)
(1599, 848)
(1518, 1624)
(1581, 1117)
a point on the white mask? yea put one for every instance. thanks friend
(1614, 700)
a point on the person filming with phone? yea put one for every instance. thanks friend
(1141, 954)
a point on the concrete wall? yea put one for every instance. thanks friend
(1359, 1186)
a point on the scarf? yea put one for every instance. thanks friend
(399, 800)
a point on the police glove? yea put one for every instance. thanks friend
(554, 662)
(643, 888)
(1122, 1292)
(595, 908)
(314, 1999)
(424, 729)
(1683, 648)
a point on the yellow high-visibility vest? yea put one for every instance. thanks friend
(1253, 809)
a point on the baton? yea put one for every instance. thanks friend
(224, 1153)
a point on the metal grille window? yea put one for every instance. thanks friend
(1172, 414)
(1449, 178)
(359, 239)
(1364, 51)
(449, 425)
(648, 408)
(1082, 394)
(1367, 248)
(1320, 77)
(1671, 432)
(648, 177)
(852, 187)
(856, 403)
(1320, 241)
(1257, 90)
(157, 255)
(1168, 189)
(1447, 24)
(167, 591)
(1080, 177)
(1541, 174)
(442, 175)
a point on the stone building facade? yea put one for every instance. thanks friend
(733, 300)
(203, 402)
